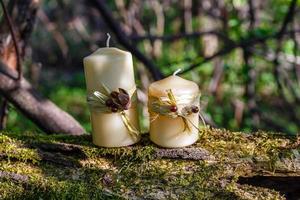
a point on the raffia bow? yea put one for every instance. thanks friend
(168, 106)
(114, 102)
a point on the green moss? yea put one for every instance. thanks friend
(129, 172)
(15, 149)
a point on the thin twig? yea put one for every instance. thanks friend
(233, 45)
(251, 14)
(160, 26)
(3, 114)
(250, 70)
(296, 65)
(46, 115)
(187, 16)
(174, 37)
(14, 38)
(250, 87)
(287, 19)
(221, 52)
(4, 106)
(124, 40)
(57, 35)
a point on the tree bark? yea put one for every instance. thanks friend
(46, 115)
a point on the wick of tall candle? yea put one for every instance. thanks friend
(107, 40)
(176, 72)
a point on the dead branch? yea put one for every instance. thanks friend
(229, 47)
(4, 106)
(52, 29)
(187, 16)
(20, 28)
(3, 114)
(277, 71)
(41, 111)
(287, 19)
(160, 26)
(14, 38)
(123, 39)
(174, 37)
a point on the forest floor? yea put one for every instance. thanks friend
(221, 165)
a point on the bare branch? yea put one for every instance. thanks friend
(187, 15)
(227, 49)
(287, 19)
(41, 111)
(4, 106)
(124, 40)
(3, 114)
(251, 12)
(233, 45)
(172, 38)
(14, 38)
(250, 71)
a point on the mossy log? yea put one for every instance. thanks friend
(222, 165)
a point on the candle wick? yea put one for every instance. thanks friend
(107, 40)
(176, 72)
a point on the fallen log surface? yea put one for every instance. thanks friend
(222, 165)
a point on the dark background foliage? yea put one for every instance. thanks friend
(244, 55)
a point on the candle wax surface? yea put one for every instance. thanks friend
(110, 66)
(178, 85)
(114, 68)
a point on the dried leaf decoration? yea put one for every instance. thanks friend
(114, 102)
(169, 107)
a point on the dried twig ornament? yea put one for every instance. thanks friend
(169, 106)
(114, 102)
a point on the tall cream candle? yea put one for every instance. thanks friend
(174, 124)
(112, 68)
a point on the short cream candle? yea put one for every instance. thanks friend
(112, 68)
(174, 124)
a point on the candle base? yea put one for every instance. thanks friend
(123, 144)
(168, 132)
(109, 129)
(184, 141)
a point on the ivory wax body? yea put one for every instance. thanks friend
(166, 131)
(114, 68)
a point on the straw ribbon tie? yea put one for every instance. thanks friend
(115, 102)
(168, 106)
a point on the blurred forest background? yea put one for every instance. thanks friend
(244, 54)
